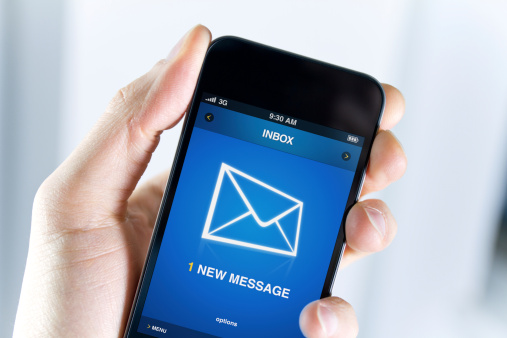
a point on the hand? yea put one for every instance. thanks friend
(91, 229)
(370, 226)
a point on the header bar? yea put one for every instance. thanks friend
(279, 137)
(282, 119)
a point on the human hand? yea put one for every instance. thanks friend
(370, 226)
(91, 228)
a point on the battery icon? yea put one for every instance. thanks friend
(353, 139)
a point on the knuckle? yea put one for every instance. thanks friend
(50, 195)
(41, 194)
(130, 97)
(160, 63)
(123, 95)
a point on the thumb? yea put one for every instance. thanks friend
(329, 317)
(104, 169)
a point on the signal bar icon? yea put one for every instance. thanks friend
(211, 99)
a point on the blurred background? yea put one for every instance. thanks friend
(445, 275)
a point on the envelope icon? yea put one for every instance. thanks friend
(247, 212)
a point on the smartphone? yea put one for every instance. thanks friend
(272, 156)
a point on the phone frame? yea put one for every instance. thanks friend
(285, 83)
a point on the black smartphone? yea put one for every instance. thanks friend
(272, 156)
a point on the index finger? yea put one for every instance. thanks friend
(394, 109)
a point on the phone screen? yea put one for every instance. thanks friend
(252, 226)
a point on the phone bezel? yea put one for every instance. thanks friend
(288, 84)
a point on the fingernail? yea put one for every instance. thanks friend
(327, 319)
(176, 49)
(377, 219)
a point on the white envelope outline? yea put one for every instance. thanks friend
(226, 169)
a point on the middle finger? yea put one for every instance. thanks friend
(387, 163)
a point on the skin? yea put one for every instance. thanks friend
(91, 227)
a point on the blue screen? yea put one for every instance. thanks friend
(251, 229)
